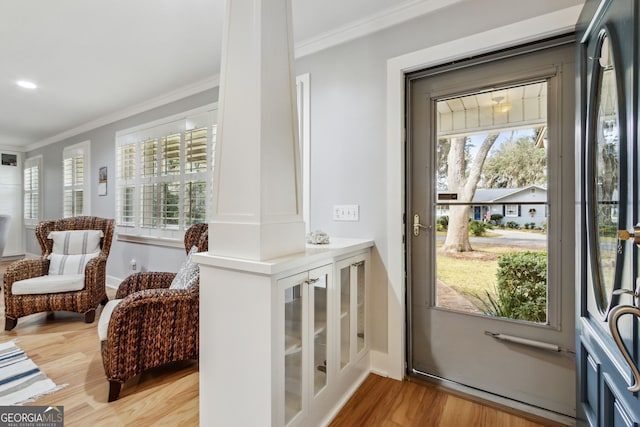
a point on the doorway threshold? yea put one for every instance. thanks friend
(533, 413)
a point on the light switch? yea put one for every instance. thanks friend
(346, 213)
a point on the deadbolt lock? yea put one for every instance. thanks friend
(627, 235)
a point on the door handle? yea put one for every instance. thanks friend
(615, 315)
(626, 235)
(417, 226)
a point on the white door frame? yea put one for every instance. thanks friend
(559, 22)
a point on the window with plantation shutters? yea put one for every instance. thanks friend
(31, 197)
(75, 182)
(163, 184)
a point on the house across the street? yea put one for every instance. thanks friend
(519, 205)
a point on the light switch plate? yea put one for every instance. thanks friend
(346, 213)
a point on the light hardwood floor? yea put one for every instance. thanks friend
(68, 351)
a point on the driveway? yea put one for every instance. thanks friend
(513, 238)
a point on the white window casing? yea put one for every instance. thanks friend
(163, 176)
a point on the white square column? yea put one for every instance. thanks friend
(257, 209)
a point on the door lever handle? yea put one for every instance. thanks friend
(417, 226)
(615, 315)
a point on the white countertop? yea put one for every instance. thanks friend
(312, 253)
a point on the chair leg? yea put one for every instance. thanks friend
(10, 323)
(114, 390)
(90, 316)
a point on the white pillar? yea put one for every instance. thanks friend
(257, 210)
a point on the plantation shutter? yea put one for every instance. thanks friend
(125, 184)
(170, 189)
(75, 188)
(31, 181)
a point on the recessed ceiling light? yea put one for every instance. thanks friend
(26, 84)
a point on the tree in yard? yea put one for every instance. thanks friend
(516, 164)
(463, 181)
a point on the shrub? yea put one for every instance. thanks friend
(477, 228)
(521, 291)
(496, 219)
(512, 224)
(442, 223)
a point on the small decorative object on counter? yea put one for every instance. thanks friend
(318, 238)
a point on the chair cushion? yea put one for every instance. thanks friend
(105, 316)
(188, 273)
(74, 242)
(48, 284)
(69, 264)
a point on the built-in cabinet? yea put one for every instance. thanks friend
(324, 323)
(296, 347)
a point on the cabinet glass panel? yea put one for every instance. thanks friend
(293, 351)
(360, 289)
(319, 287)
(345, 318)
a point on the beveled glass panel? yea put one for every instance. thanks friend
(605, 144)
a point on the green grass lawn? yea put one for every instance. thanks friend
(474, 273)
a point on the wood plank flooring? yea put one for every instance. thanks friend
(388, 403)
(68, 351)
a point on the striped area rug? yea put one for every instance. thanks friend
(21, 381)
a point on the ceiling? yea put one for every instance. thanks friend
(92, 60)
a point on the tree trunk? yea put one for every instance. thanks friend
(458, 230)
(457, 239)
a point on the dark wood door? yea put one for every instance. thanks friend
(608, 338)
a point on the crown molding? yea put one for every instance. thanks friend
(158, 101)
(370, 24)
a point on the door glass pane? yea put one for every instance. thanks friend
(320, 333)
(606, 165)
(345, 318)
(491, 202)
(293, 351)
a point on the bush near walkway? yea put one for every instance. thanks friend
(521, 291)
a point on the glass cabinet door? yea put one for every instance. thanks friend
(345, 315)
(319, 282)
(352, 305)
(360, 299)
(294, 294)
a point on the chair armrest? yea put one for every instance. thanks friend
(95, 274)
(24, 269)
(143, 281)
(151, 327)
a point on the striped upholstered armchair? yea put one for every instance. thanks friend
(151, 322)
(39, 285)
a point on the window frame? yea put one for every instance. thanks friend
(507, 213)
(82, 149)
(151, 229)
(30, 163)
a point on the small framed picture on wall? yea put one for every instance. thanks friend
(102, 181)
